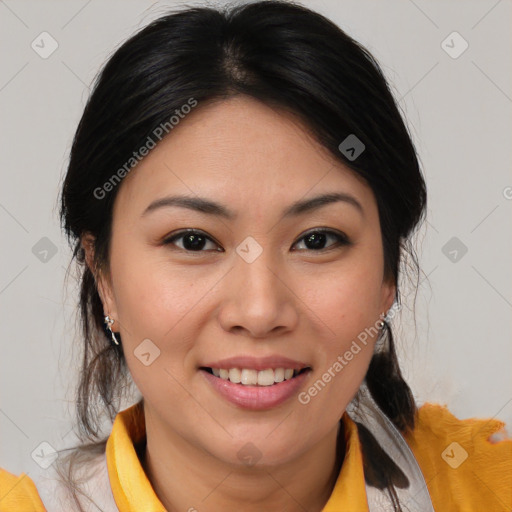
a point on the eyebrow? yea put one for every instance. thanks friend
(203, 205)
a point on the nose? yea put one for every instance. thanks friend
(258, 299)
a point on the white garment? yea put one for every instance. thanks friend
(98, 492)
(414, 498)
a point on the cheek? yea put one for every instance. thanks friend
(155, 302)
(348, 307)
(349, 302)
(151, 296)
(336, 380)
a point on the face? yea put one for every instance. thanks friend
(248, 281)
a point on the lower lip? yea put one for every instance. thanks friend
(256, 398)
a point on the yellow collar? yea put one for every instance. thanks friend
(133, 491)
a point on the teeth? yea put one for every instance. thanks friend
(249, 377)
(279, 374)
(235, 375)
(266, 378)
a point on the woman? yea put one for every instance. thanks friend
(241, 193)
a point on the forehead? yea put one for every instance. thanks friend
(242, 152)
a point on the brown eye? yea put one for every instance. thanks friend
(316, 240)
(197, 241)
(193, 240)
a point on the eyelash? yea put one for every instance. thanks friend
(342, 239)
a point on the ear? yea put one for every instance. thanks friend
(388, 295)
(103, 282)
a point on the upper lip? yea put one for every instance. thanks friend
(257, 363)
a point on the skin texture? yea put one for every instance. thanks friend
(196, 307)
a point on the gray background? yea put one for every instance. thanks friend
(459, 113)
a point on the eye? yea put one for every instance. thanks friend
(315, 240)
(193, 240)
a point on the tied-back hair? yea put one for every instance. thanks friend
(394, 397)
(290, 58)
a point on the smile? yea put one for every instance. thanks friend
(250, 377)
(256, 390)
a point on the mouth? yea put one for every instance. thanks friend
(258, 378)
(256, 390)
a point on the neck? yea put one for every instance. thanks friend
(187, 478)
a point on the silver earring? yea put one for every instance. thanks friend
(108, 323)
(381, 323)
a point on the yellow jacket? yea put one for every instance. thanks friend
(464, 471)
